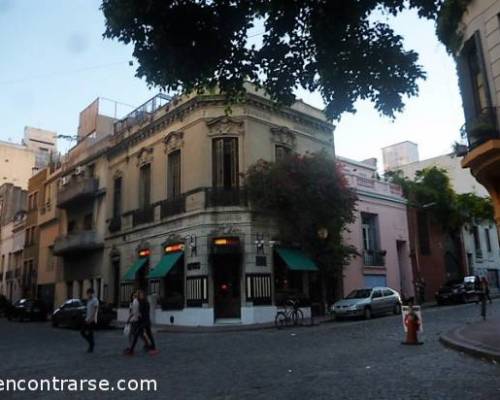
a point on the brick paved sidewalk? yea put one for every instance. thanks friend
(480, 339)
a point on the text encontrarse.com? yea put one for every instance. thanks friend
(55, 384)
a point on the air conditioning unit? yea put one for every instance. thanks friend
(64, 180)
(79, 170)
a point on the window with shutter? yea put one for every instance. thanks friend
(225, 163)
(174, 174)
(145, 186)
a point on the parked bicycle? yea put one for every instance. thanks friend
(290, 315)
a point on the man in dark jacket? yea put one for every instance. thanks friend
(145, 321)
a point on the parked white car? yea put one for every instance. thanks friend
(367, 303)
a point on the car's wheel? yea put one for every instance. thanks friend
(463, 299)
(397, 309)
(367, 313)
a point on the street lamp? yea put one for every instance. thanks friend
(322, 235)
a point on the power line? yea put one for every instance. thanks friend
(67, 72)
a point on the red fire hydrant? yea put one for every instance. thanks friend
(412, 324)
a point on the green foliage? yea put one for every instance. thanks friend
(335, 47)
(448, 23)
(431, 190)
(303, 194)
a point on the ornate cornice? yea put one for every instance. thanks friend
(145, 156)
(225, 125)
(122, 143)
(283, 136)
(173, 141)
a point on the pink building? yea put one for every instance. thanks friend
(380, 232)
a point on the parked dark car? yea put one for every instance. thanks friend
(72, 314)
(5, 306)
(28, 309)
(457, 291)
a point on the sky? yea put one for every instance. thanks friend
(54, 62)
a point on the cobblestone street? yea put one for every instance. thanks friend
(343, 360)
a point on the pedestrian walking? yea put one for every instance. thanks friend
(133, 320)
(145, 322)
(485, 286)
(90, 321)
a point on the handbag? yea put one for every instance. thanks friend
(126, 330)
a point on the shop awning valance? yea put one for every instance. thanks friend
(296, 260)
(165, 265)
(134, 269)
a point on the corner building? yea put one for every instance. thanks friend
(179, 223)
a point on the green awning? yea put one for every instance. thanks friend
(165, 265)
(134, 269)
(296, 260)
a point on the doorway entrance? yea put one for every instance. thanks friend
(227, 281)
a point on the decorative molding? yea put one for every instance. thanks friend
(226, 230)
(284, 136)
(117, 174)
(225, 125)
(173, 141)
(145, 156)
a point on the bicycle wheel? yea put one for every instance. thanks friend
(280, 319)
(297, 317)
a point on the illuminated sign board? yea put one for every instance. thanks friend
(227, 241)
(144, 253)
(172, 248)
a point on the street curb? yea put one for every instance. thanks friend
(468, 348)
(227, 329)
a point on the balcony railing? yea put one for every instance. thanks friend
(77, 242)
(374, 258)
(220, 197)
(175, 206)
(482, 128)
(77, 190)
(143, 215)
(374, 186)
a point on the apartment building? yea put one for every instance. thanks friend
(51, 287)
(179, 225)
(380, 232)
(12, 222)
(81, 198)
(478, 67)
(17, 164)
(480, 239)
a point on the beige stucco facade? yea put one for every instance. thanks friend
(16, 164)
(202, 212)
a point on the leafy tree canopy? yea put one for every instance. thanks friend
(431, 190)
(338, 48)
(304, 194)
(448, 23)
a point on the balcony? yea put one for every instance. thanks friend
(175, 206)
(77, 191)
(482, 128)
(220, 197)
(78, 242)
(374, 186)
(143, 215)
(374, 258)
